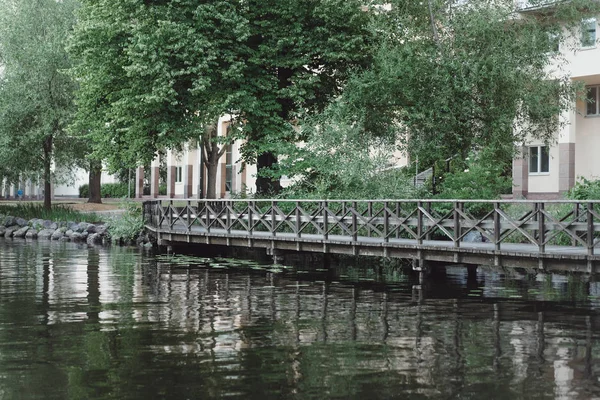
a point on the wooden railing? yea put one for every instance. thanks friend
(541, 223)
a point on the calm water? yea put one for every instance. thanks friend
(82, 323)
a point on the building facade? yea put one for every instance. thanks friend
(550, 170)
(186, 174)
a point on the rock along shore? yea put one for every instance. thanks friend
(92, 234)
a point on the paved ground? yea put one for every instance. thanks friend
(92, 207)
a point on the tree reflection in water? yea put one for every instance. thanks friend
(79, 322)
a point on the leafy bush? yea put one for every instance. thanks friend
(107, 190)
(392, 184)
(114, 190)
(481, 179)
(84, 191)
(129, 225)
(585, 189)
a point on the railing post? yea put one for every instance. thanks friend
(456, 216)
(398, 208)
(325, 221)
(298, 223)
(188, 214)
(590, 229)
(354, 222)
(386, 222)
(228, 204)
(428, 209)
(273, 205)
(207, 212)
(370, 216)
(251, 206)
(576, 219)
(159, 211)
(170, 214)
(541, 227)
(496, 226)
(419, 222)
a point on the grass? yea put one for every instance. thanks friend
(57, 213)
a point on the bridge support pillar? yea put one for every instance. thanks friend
(422, 267)
(276, 254)
(471, 272)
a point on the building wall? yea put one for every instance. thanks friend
(190, 161)
(575, 152)
(587, 160)
(82, 178)
(546, 182)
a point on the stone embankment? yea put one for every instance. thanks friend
(15, 227)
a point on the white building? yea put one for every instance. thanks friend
(186, 175)
(549, 171)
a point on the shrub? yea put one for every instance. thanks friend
(114, 190)
(84, 191)
(481, 179)
(585, 189)
(391, 184)
(108, 190)
(128, 225)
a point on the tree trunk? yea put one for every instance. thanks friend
(266, 185)
(95, 174)
(211, 155)
(47, 173)
(211, 180)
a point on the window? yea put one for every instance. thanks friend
(539, 160)
(228, 168)
(592, 105)
(178, 174)
(588, 32)
(554, 39)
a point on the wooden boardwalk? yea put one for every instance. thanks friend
(543, 236)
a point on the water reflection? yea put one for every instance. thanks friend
(79, 322)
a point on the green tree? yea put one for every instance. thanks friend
(447, 80)
(300, 54)
(35, 96)
(155, 74)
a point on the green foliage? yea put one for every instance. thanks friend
(36, 97)
(115, 190)
(84, 191)
(58, 212)
(129, 225)
(585, 189)
(463, 78)
(384, 185)
(338, 161)
(162, 189)
(158, 82)
(108, 190)
(481, 179)
(441, 85)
